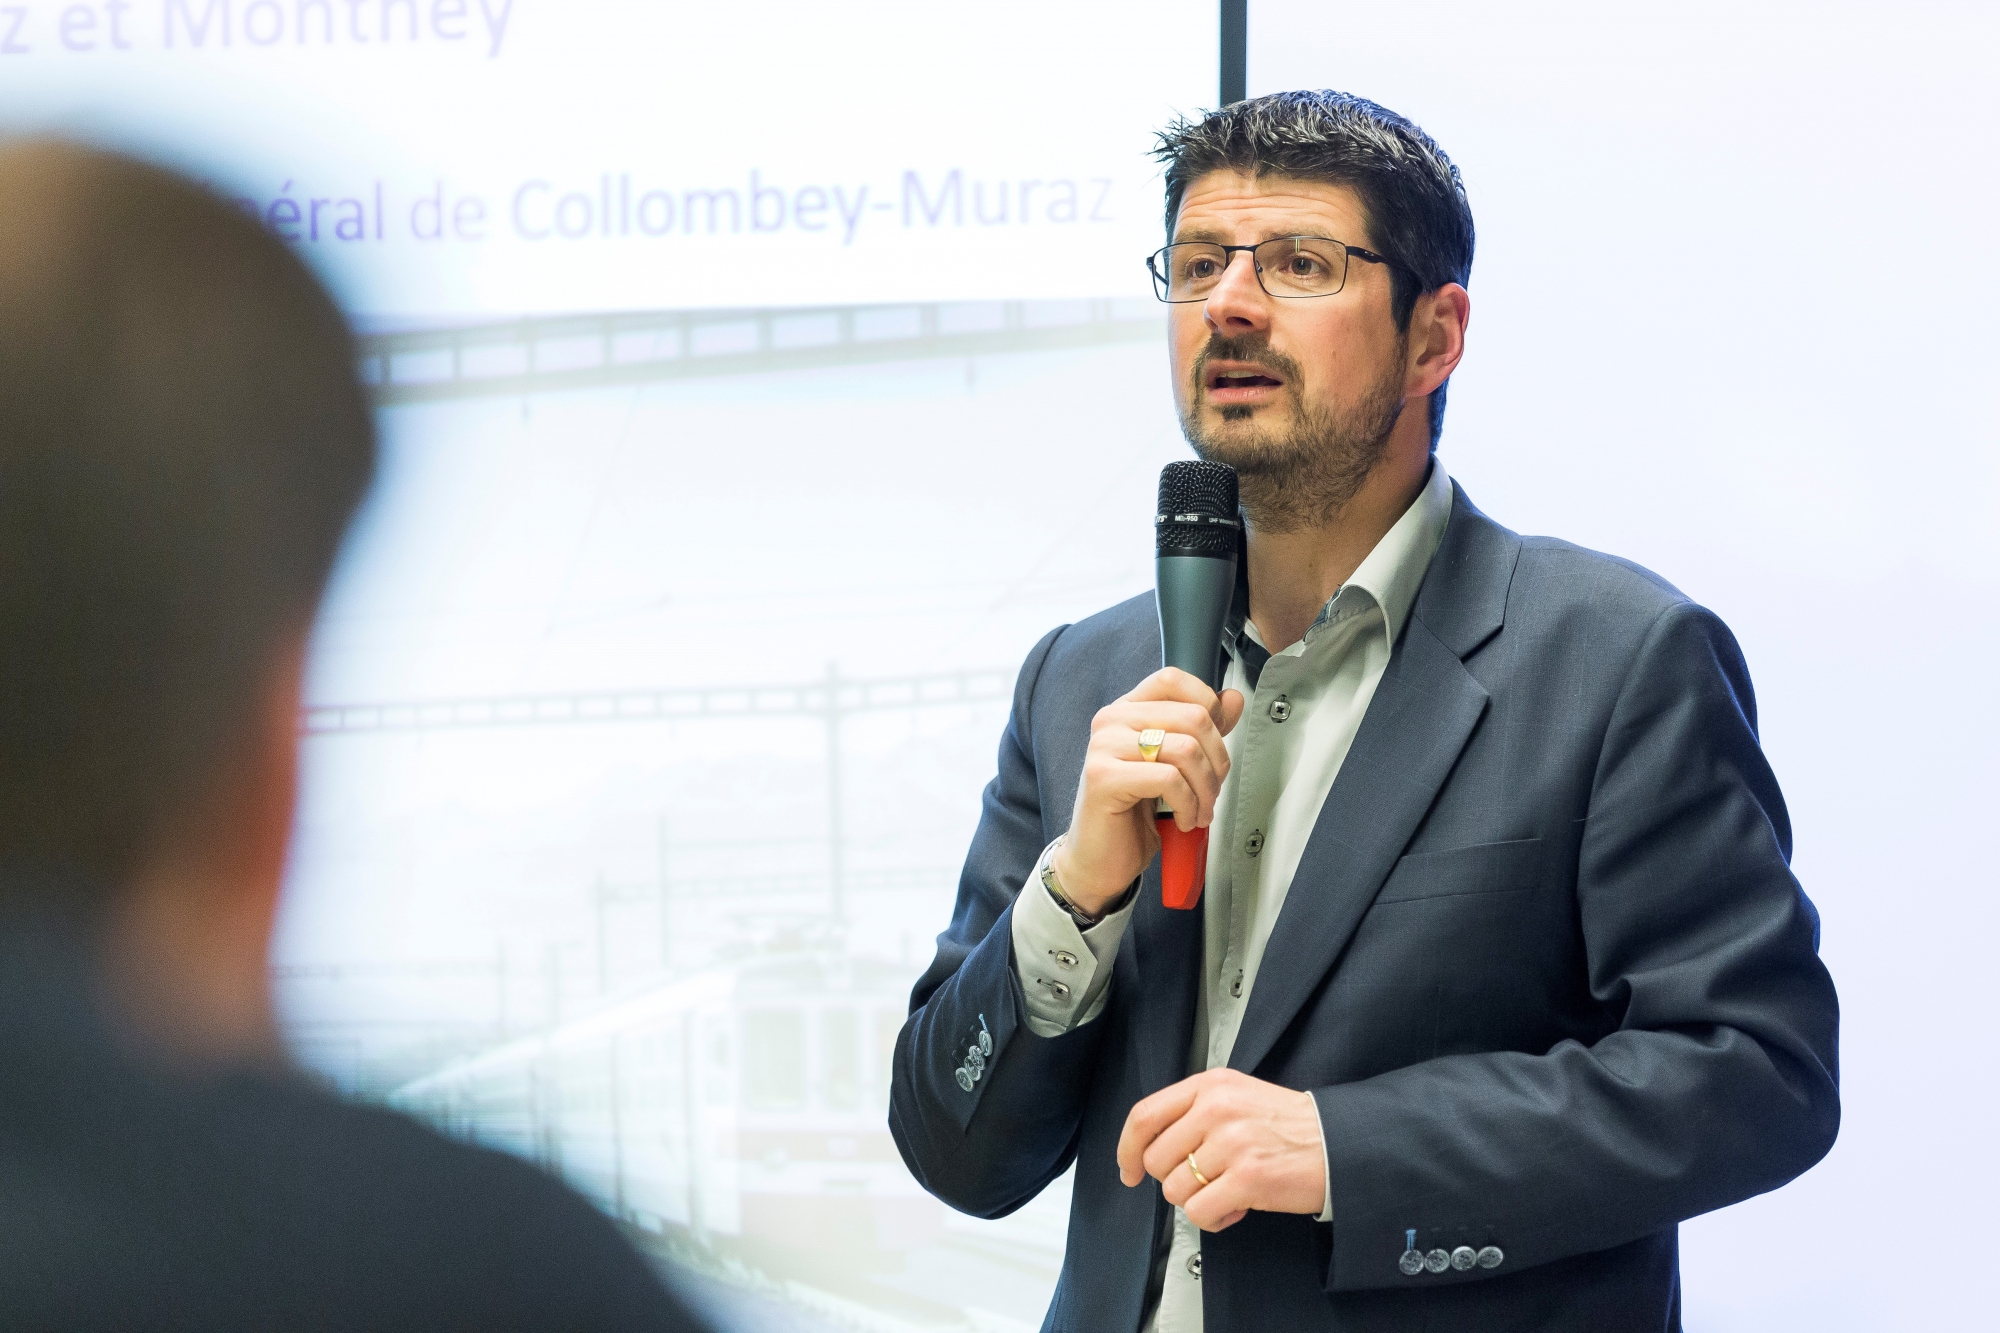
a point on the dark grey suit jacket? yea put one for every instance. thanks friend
(1544, 965)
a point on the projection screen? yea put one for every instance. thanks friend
(723, 353)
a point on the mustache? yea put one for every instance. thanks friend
(1255, 348)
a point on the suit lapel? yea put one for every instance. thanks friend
(1423, 712)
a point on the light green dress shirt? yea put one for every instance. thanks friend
(1298, 722)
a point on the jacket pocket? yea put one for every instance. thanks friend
(1488, 867)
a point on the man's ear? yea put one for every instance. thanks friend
(190, 939)
(233, 826)
(282, 703)
(1436, 338)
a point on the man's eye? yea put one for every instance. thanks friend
(1304, 266)
(1201, 268)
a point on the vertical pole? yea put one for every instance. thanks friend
(617, 1131)
(666, 901)
(500, 986)
(598, 895)
(1235, 70)
(694, 1161)
(835, 852)
(552, 979)
(537, 1122)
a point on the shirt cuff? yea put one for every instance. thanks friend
(1065, 972)
(1325, 1165)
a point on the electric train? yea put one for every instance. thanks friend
(743, 1106)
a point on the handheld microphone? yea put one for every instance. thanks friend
(1196, 534)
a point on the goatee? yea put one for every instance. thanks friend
(1306, 473)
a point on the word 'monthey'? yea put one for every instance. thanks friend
(213, 25)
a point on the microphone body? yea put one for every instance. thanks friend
(1198, 534)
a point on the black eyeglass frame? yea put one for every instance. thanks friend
(1162, 284)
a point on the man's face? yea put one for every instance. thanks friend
(1298, 395)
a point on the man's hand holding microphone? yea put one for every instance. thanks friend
(1220, 1142)
(1111, 837)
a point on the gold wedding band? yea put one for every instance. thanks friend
(1150, 741)
(1197, 1171)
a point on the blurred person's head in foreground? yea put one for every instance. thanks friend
(183, 441)
(182, 444)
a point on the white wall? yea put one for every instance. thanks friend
(1733, 318)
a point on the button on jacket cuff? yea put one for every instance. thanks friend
(1325, 1164)
(1065, 972)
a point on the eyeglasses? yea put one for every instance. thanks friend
(1290, 267)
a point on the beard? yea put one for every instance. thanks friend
(1302, 473)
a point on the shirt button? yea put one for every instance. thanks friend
(1056, 988)
(965, 1078)
(1236, 987)
(1491, 1257)
(1063, 957)
(975, 1060)
(1437, 1261)
(1254, 843)
(1280, 709)
(1464, 1257)
(1412, 1263)
(1194, 1265)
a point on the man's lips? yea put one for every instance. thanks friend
(1229, 382)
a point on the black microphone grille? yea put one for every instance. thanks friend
(1197, 513)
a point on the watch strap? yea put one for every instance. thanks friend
(1052, 883)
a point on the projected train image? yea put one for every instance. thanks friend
(745, 1104)
(627, 825)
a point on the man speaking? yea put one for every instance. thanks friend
(1500, 971)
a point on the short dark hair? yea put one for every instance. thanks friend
(183, 440)
(1412, 195)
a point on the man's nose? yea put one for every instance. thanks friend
(1238, 305)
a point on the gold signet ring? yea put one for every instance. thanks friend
(1150, 741)
(1197, 1171)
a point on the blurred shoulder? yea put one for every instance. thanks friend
(354, 1154)
(145, 1197)
(499, 1233)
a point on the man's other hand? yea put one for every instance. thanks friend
(1257, 1144)
(1111, 836)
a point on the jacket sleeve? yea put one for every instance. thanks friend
(1720, 1079)
(984, 1111)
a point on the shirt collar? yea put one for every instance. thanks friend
(1390, 575)
(1394, 570)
